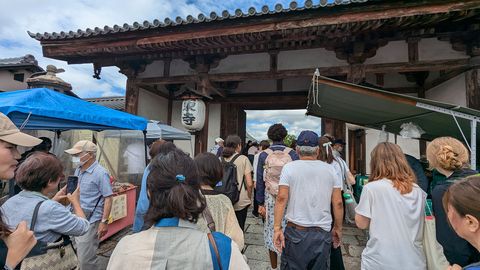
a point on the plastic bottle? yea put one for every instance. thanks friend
(348, 198)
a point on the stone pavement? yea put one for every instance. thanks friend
(354, 241)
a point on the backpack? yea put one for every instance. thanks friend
(229, 184)
(273, 168)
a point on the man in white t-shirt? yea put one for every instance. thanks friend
(310, 187)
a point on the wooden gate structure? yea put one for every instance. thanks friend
(264, 58)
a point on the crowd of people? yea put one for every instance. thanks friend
(191, 212)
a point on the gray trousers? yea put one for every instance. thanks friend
(306, 249)
(87, 246)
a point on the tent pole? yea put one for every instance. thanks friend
(145, 144)
(473, 145)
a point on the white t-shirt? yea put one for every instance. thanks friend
(339, 172)
(396, 226)
(311, 183)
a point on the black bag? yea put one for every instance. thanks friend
(229, 184)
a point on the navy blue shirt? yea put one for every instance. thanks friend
(260, 186)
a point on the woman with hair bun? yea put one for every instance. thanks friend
(449, 158)
(174, 240)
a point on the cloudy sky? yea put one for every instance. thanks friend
(19, 16)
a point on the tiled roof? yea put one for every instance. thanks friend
(201, 18)
(24, 61)
(116, 103)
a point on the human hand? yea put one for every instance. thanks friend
(102, 230)
(336, 237)
(262, 211)
(19, 244)
(279, 240)
(75, 196)
(454, 267)
(61, 196)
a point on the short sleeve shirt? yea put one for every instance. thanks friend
(244, 167)
(311, 184)
(94, 186)
(396, 226)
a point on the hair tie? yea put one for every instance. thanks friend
(180, 178)
(327, 145)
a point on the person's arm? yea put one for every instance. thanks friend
(107, 192)
(103, 227)
(248, 178)
(62, 221)
(362, 222)
(350, 178)
(19, 244)
(280, 204)
(337, 205)
(363, 211)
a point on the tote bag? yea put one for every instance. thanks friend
(59, 255)
(436, 259)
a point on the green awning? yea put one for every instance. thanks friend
(374, 108)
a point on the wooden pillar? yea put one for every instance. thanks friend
(232, 120)
(201, 137)
(131, 96)
(472, 78)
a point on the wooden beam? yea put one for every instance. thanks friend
(472, 79)
(324, 71)
(444, 76)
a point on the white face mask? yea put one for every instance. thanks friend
(76, 161)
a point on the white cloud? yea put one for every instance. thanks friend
(295, 121)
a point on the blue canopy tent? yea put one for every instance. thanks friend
(49, 110)
(45, 109)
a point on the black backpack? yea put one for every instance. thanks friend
(229, 184)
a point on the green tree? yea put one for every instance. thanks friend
(289, 140)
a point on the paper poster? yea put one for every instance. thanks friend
(119, 208)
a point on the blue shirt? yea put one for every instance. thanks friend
(53, 219)
(94, 187)
(260, 186)
(142, 204)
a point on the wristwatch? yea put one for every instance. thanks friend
(104, 221)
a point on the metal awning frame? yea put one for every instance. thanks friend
(472, 146)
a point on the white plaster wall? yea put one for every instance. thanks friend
(186, 146)
(7, 82)
(311, 58)
(214, 115)
(251, 86)
(152, 106)
(409, 146)
(180, 67)
(243, 63)
(154, 69)
(452, 91)
(434, 49)
(393, 52)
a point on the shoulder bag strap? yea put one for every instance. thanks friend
(234, 158)
(208, 217)
(94, 208)
(35, 215)
(215, 249)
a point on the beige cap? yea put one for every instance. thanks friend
(218, 140)
(10, 133)
(82, 146)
